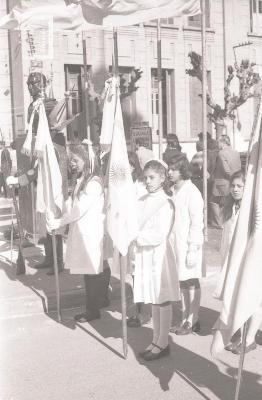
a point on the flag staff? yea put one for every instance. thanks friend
(122, 260)
(241, 361)
(86, 99)
(204, 111)
(57, 286)
(159, 79)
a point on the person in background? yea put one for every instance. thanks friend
(136, 320)
(155, 279)
(173, 148)
(85, 216)
(187, 236)
(230, 213)
(6, 166)
(143, 153)
(227, 162)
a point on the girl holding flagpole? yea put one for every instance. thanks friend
(155, 279)
(84, 214)
(230, 213)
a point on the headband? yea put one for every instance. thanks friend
(159, 161)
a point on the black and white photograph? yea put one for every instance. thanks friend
(131, 199)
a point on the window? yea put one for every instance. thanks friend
(195, 20)
(74, 83)
(195, 89)
(168, 101)
(256, 16)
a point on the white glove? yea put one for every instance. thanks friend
(12, 180)
(191, 258)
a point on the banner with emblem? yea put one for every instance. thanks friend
(121, 218)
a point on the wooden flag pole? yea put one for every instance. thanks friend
(20, 263)
(57, 288)
(204, 113)
(241, 361)
(159, 79)
(122, 260)
(86, 98)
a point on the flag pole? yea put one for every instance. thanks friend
(159, 79)
(204, 112)
(241, 361)
(57, 288)
(122, 260)
(86, 99)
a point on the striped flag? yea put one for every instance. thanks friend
(242, 294)
(90, 14)
(121, 218)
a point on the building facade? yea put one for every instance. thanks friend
(229, 23)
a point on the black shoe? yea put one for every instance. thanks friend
(43, 265)
(143, 353)
(185, 329)
(196, 327)
(89, 315)
(134, 322)
(238, 349)
(156, 356)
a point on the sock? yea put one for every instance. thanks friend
(156, 324)
(165, 323)
(194, 305)
(185, 304)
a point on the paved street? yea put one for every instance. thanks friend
(44, 360)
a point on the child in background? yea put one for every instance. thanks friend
(84, 214)
(230, 213)
(155, 279)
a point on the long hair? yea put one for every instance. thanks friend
(137, 173)
(227, 209)
(81, 150)
(156, 166)
(182, 165)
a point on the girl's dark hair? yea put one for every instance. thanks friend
(227, 209)
(81, 150)
(137, 174)
(160, 169)
(182, 165)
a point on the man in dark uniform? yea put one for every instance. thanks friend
(36, 85)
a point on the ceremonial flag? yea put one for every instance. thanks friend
(49, 198)
(121, 218)
(242, 294)
(90, 14)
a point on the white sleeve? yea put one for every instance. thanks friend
(196, 215)
(81, 206)
(155, 234)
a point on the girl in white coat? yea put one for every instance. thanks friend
(230, 213)
(187, 241)
(84, 214)
(155, 279)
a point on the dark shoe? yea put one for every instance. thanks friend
(196, 327)
(156, 356)
(249, 348)
(42, 265)
(185, 329)
(229, 347)
(143, 353)
(52, 271)
(134, 322)
(89, 315)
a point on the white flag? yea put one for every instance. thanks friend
(90, 14)
(121, 217)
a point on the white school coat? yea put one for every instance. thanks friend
(155, 277)
(188, 229)
(84, 251)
